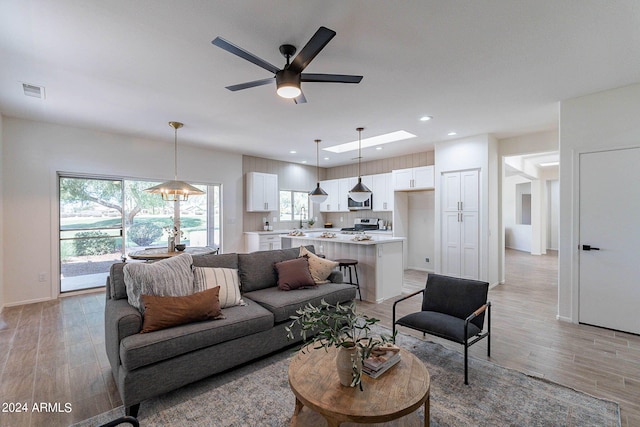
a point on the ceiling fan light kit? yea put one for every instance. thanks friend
(173, 191)
(288, 84)
(359, 192)
(318, 195)
(288, 79)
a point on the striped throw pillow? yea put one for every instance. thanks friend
(227, 278)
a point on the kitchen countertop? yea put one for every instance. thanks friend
(347, 238)
(316, 231)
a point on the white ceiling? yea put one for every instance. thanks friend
(481, 66)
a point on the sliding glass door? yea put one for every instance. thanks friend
(101, 220)
(91, 230)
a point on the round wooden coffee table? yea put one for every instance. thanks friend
(400, 391)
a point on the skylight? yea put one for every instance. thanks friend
(371, 141)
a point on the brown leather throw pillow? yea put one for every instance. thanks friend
(165, 312)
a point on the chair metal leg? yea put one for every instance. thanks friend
(466, 368)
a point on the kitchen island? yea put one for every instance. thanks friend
(380, 263)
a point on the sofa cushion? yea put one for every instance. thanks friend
(320, 268)
(256, 268)
(166, 312)
(224, 278)
(219, 261)
(294, 274)
(168, 277)
(117, 287)
(284, 304)
(145, 349)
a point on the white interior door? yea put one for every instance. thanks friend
(609, 210)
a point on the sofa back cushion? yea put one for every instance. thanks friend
(256, 269)
(116, 286)
(216, 261)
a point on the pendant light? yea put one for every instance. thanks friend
(172, 191)
(359, 192)
(318, 195)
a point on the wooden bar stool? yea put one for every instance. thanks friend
(351, 265)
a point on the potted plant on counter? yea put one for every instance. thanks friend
(339, 326)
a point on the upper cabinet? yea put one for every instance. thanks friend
(262, 192)
(338, 190)
(382, 189)
(420, 178)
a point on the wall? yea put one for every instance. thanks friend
(600, 121)
(33, 152)
(421, 218)
(553, 192)
(477, 152)
(2, 239)
(517, 236)
(291, 176)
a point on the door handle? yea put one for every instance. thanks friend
(589, 248)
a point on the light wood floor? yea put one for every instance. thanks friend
(53, 352)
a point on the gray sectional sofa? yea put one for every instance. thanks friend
(150, 364)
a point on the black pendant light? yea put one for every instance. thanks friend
(172, 191)
(318, 195)
(359, 192)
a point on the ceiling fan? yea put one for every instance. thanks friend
(289, 78)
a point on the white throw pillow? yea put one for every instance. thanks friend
(171, 277)
(227, 278)
(320, 268)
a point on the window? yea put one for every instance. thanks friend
(294, 205)
(103, 219)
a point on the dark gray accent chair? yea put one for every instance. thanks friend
(453, 309)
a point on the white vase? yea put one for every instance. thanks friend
(347, 360)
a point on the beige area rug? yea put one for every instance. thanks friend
(258, 394)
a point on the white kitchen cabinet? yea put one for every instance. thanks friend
(382, 189)
(460, 224)
(262, 192)
(338, 190)
(262, 242)
(410, 179)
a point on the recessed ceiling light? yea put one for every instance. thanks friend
(369, 142)
(378, 148)
(546, 164)
(304, 161)
(326, 158)
(425, 118)
(452, 133)
(292, 152)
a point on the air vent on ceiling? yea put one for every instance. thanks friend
(33, 90)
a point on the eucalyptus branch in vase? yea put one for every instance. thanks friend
(338, 326)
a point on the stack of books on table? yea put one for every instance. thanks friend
(376, 365)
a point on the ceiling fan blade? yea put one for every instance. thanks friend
(238, 51)
(311, 49)
(254, 83)
(330, 78)
(300, 99)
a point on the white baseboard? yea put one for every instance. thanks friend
(32, 301)
(564, 319)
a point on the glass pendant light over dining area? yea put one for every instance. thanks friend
(172, 191)
(318, 195)
(359, 192)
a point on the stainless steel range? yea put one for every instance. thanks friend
(360, 225)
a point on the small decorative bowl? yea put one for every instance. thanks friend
(181, 247)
